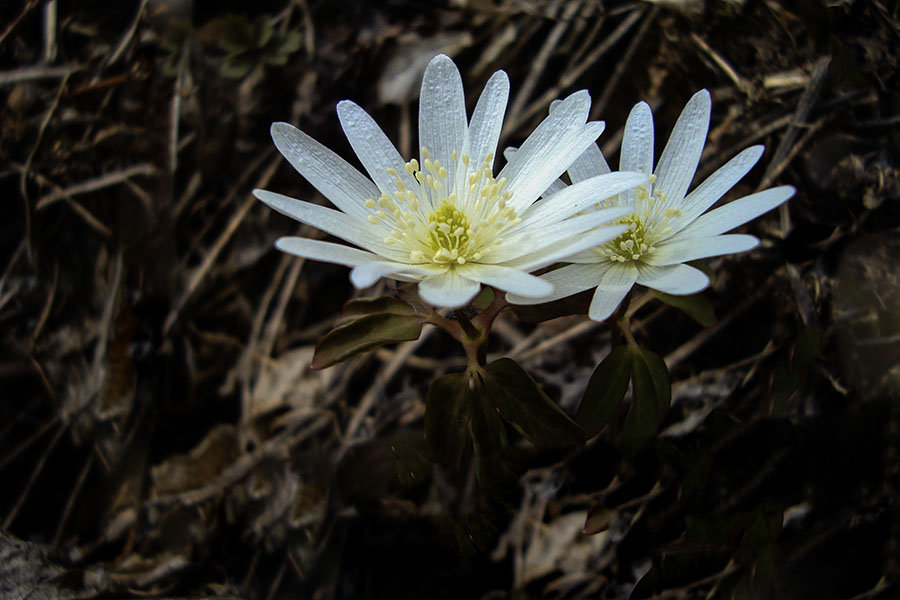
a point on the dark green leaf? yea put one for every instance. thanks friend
(364, 334)
(651, 394)
(486, 425)
(696, 306)
(447, 416)
(362, 307)
(527, 408)
(571, 305)
(413, 462)
(605, 390)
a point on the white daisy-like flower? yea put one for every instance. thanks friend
(444, 220)
(666, 228)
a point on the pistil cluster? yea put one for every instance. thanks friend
(444, 219)
(649, 223)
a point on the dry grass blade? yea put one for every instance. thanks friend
(210, 258)
(95, 184)
(568, 78)
(540, 61)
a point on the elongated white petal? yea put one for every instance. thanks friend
(442, 112)
(536, 164)
(716, 185)
(373, 148)
(733, 214)
(487, 121)
(581, 196)
(543, 175)
(590, 164)
(566, 248)
(673, 279)
(334, 177)
(535, 240)
(557, 186)
(325, 251)
(566, 281)
(637, 141)
(611, 290)
(450, 289)
(506, 279)
(693, 248)
(680, 157)
(361, 233)
(368, 273)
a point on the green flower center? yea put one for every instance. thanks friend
(649, 223)
(444, 217)
(631, 245)
(448, 233)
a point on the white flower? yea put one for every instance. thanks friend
(666, 228)
(444, 220)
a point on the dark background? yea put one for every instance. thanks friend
(162, 436)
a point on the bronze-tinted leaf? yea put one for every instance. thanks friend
(364, 334)
(362, 307)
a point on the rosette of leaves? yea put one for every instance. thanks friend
(250, 45)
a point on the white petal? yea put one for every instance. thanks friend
(590, 164)
(693, 248)
(368, 273)
(506, 279)
(578, 197)
(566, 248)
(680, 157)
(534, 182)
(334, 177)
(738, 212)
(534, 241)
(449, 289)
(637, 141)
(557, 186)
(611, 290)
(673, 279)
(566, 281)
(375, 151)
(362, 233)
(442, 112)
(535, 165)
(325, 251)
(487, 120)
(716, 185)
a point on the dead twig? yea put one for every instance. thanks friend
(25, 10)
(787, 150)
(36, 73)
(540, 61)
(236, 219)
(610, 86)
(740, 83)
(98, 183)
(567, 79)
